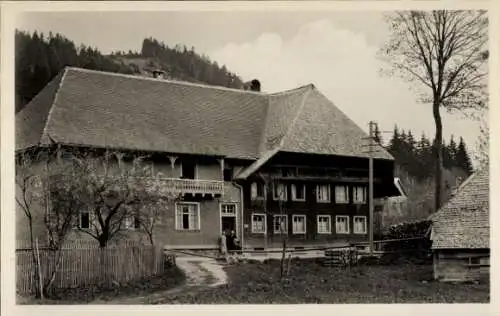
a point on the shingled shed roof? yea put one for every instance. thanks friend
(107, 110)
(463, 222)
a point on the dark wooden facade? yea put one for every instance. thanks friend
(310, 171)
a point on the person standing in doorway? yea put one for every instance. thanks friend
(230, 241)
(236, 243)
(223, 245)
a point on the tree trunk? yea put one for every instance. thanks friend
(39, 267)
(103, 241)
(150, 236)
(56, 256)
(438, 144)
(104, 264)
(38, 294)
(283, 252)
(288, 264)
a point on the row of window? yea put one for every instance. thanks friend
(323, 192)
(187, 218)
(323, 224)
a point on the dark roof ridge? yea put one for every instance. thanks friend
(262, 143)
(306, 86)
(54, 102)
(294, 120)
(34, 116)
(262, 146)
(179, 82)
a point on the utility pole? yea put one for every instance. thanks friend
(373, 147)
(370, 185)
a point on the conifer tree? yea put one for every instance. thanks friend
(462, 158)
(452, 150)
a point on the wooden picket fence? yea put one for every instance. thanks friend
(83, 267)
(84, 244)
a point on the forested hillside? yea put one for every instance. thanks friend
(39, 58)
(185, 64)
(417, 157)
(415, 163)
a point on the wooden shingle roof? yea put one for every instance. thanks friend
(98, 109)
(463, 222)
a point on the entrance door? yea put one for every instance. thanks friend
(228, 217)
(228, 223)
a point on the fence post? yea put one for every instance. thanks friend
(39, 264)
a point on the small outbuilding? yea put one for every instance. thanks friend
(460, 232)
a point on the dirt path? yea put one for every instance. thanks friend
(200, 274)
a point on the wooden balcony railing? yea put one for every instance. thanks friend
(189, 186)
(163, 186)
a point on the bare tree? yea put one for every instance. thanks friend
(111, 192)
(29, 196)
(444, 53)
(103, 186)
(39, 191)
(272, 185)
(151, 210)
(61, 214)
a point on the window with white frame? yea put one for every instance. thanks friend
(279, 192)
(360, 225)
(299, 224)
(258, 191)
(187, 216)
(342, 224)
(258, 223)
(228, 209)
(341, 194)
(280, 224)
(324, 224)
(298, 192)
(359, 195)
(323, 193)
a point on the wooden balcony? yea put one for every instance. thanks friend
(159, 185)
(189, 186)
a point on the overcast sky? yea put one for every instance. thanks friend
(333, 50)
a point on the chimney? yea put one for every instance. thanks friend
(253, 85)
(159, 74)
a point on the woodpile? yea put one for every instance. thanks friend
(344, 257)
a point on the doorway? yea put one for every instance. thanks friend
(228, 217)
(188, 170)
(228, 223)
